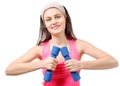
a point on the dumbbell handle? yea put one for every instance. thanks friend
(65, 53)
(48, 73)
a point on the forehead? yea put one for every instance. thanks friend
(52, 11)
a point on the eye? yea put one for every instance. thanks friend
(58, 16)
(48, 19)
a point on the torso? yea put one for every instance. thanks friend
(61, 73)
(78, 44)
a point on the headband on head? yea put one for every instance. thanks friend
(53, 4)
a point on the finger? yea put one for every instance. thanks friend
(54, 60)
(70, 68)
(54, 63)
(68, 64)
(51, 67)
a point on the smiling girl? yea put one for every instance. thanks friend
(56, 30)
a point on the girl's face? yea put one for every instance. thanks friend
(54, 21)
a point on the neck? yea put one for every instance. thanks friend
(59, 41)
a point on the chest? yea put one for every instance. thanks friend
(60, 58)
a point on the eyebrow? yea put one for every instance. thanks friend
(58, 14)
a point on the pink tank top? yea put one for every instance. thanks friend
(61, 76)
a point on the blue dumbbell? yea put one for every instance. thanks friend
(48, 73)
(65, 53)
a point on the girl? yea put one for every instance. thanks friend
(56, 30)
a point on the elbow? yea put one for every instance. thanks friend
(114, 63)
(8, 71)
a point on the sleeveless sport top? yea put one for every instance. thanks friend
(61, 76)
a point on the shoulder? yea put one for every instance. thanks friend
(82, 44)
(86, 46)
(37, 49)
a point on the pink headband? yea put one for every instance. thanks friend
(54, 4)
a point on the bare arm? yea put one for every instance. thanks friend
(25, 63)
(102, 59)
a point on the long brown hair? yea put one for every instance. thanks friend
(44, 34)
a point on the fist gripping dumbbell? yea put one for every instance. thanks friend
(65, 53)
(48, 73)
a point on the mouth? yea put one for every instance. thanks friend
(55, 27)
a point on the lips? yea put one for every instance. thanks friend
(55, 27)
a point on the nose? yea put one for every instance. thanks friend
(53, 21)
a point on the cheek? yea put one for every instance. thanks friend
(63, 24)
(47, 25)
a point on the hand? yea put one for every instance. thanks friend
(50, 63)
(72, 65)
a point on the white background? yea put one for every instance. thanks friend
(96, 21)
